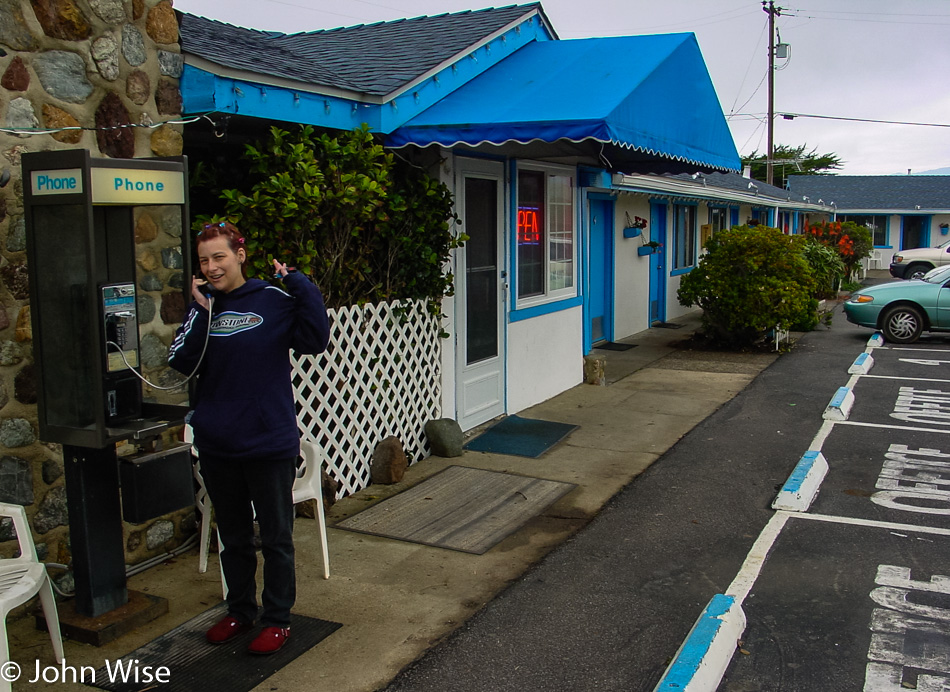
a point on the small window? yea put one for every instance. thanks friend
(545, 254)
(718, 219)
(684, 236)
(876, 224)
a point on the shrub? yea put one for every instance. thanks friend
(750, 281)
(851, 241)
(364, 227)
(827, 268)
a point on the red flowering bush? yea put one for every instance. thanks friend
(851, 241)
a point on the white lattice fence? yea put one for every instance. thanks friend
(380, 376)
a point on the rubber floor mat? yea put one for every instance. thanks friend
(460, 508)
(523, 437)
(193, 664)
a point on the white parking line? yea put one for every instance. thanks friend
(891, 427)
(918, 350)
(896, 377)
(890, 525)
(752, 567)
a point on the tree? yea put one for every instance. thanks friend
(796, 161)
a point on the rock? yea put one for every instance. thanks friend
(16, 481)
(105, 53)
(113, 131)
(170, 64)
(42, 551)
(168, 97)
(3, 208)
(63, 75)
(24, 327)
(150, 282)
(52, 471)
(66, 582)
(4, 397)
(16, 279)
(15, 77)
(52, 511)
(389, 462)
(173, 308)
(10, 353)
(110, 11)
(153, 352)
(61, 19)
(14, 32)
(138, 87)
(158, 534)
(133, 45)
(24, 385)
(146, 230)
(134, 542)
(445, 437)
(161, 24)
(148, 260)
(166, 141)
(171, 258)
(188, 524)
(595, 370)
(16, 432)
(171, 222)
(20, 115)
(54, 117)
(146, 308)
(7, 530)
(177, 280)
(16, 240)
(4, 323)
(138, 9)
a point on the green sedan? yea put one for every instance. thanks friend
(902, 310)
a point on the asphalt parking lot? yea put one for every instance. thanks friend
(854, 592)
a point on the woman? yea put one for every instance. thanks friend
(245, 423)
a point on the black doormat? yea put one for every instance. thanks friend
(666, 325)
(614, 346)
(523, 437)
(193, 664)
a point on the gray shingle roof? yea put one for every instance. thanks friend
(876, 191)
(739, 183)
(373, 59)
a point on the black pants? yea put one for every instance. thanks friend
(233, 485)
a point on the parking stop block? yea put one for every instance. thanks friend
(861, 365)
(802, 485)
(839, 408)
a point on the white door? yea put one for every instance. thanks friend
(480, 294)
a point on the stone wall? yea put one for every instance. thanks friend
(111, 68)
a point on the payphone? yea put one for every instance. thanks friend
(80, 222)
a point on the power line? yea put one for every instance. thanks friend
(792, 116)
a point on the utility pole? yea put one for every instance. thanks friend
(773, 12)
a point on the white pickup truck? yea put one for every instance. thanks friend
(913, 264)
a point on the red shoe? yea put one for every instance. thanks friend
(226, 630)
(269, 640)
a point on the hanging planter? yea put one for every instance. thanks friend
(944, 228)
(633, 228)
(649, 248)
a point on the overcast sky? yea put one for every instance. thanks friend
(883, 60)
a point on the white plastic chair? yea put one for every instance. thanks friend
(21, 578)
(876, 260)
(307, 486)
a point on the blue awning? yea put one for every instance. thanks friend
(628, 100)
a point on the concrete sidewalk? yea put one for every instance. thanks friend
(397, 599)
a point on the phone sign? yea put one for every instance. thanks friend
(62, 182)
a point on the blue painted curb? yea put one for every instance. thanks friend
(876, 341)
(702, 659)
(861, 365)
(840, 405)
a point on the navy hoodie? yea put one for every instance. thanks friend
(244, 400)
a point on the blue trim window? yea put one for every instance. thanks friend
(684, 236)
(718, 219)
(875, 223)
(545, 234)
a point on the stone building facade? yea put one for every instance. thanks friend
(100, 75)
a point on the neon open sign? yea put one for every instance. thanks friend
(529, 229)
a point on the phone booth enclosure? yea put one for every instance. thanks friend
(80, 221)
